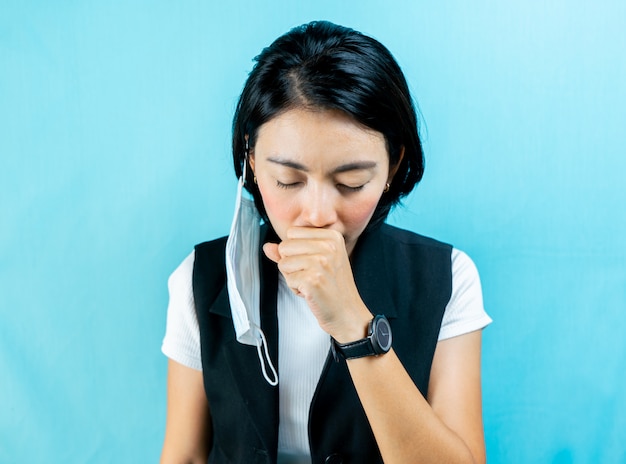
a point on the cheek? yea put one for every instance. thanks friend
(269, 202)
(278, 208)
(357, 215)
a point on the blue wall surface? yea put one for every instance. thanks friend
(114, 162)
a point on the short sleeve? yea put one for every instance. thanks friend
(182, 334)
(465, 311)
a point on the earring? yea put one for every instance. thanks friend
(254, 179)
(386, 187)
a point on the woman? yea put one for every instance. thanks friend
(376, 331)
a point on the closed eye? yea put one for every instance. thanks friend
(349, 188)
(281, 185)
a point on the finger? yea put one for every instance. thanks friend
(295, 247)
(313, 233)
(298, 283)
(271, 251)
(290, 264)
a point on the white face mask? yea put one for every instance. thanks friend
(243, 277)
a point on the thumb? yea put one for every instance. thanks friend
(271, 251)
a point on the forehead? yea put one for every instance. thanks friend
(310, 136)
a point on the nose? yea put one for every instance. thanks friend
(319, 209)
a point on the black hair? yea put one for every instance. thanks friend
(321, 65)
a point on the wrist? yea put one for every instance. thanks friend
(377, 342)
(353, 330)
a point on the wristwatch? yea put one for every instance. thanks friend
(378, 341)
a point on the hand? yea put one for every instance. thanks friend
(316, 266)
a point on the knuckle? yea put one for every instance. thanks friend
(315, 280)
(283, 249)
(323, 261)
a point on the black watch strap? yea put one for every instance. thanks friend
(358, 349)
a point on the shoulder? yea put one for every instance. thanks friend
(202, 252)
(182, 274)
(212, 247)
(392, 234)
(209, 271)
(408, 257)
(462, 264)
(465, 311)
(465, 275)
(210, 257)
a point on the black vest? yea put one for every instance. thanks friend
(400, 274)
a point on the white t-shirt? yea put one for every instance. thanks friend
(300, 337)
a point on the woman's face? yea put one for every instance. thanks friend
(320, 169)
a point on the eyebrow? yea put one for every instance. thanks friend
(355, 166)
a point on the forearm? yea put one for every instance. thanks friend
(404, 424)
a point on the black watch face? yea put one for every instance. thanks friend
(383, 334)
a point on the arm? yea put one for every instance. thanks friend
(446, 427)
(408, 428)
(188, 425)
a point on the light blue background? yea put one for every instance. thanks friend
(114, 161)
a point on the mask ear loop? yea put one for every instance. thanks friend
(244, 175)
(261, 343)
(264, 355)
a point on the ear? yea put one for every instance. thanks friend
(393, 169)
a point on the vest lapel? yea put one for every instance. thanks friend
(371, 275)
(260, 398)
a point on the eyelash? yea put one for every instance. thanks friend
(279, 184)
(345, 188)
(350, 189)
